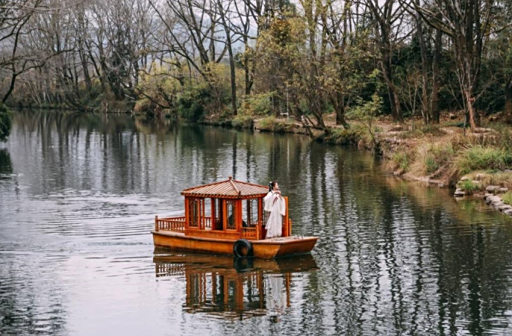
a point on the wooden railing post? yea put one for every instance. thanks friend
(156, 223)
(286, 229)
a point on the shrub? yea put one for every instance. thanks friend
(430, 164)
(144, 106)
(5, 122)
(341, 136)
(257, 104)
(479, 157)
(507, 197)
(366, 112)
(192, 101)
(274, 125)
(469, 186)
(242, 121)
(402, 159)
(267, 123)
(436, 156)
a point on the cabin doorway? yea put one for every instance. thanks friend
(217, 214)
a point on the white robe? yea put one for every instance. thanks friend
(276, 205)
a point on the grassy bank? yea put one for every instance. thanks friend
(447, 153)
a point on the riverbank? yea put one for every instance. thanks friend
(444, 155)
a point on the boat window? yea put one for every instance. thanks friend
(207, 208)
(250, 212)
(218, 214)
(195, 211)
(230, 212)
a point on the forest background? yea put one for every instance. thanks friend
(304, 58)
(237, 61)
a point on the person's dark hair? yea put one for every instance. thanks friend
(271, 185)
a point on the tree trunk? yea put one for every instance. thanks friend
(425, 106)
(387, 72)
(339, 105)
(473, 117)
(396, 105)
(247, 69)
(508, 102)
(231, 59)
(434, 98)
(233, 78)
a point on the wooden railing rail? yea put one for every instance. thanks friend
(207, 223)
(250, 232)
(170, 224)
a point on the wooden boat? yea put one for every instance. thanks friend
(227, 217)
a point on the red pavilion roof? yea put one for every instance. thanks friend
(227, 189)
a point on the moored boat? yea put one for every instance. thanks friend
(227, 217)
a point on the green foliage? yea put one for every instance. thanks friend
(191, 103)
(366, 112)
(242, 121)
(402, 159)
(5, 122)
(430, 164)
(507, 197)
(342, 136)
(469, 186)
(275, 125)
(171, 89)
(257, 104)
(436, 156)
(267, 123)
(480, 157)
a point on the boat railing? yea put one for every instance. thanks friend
(170, 224)
(250, 232)
(254, 231)
(207, 223)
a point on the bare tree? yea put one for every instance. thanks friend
(14, 16)
(468, 24)
(229, 45)
(388, 18)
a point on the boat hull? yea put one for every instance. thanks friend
(265, 248)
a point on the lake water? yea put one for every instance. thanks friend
(78, 194)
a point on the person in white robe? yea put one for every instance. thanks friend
(275, 204)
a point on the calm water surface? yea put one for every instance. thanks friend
(78, 194)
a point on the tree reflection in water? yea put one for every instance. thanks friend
(5, 163)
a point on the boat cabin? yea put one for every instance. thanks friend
(228, 209)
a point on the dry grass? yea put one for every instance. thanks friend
(500, 178)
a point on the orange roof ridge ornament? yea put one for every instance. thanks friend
(234, 186)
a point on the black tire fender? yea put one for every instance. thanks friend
(240, 245)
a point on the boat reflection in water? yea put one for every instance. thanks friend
(230, 287)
